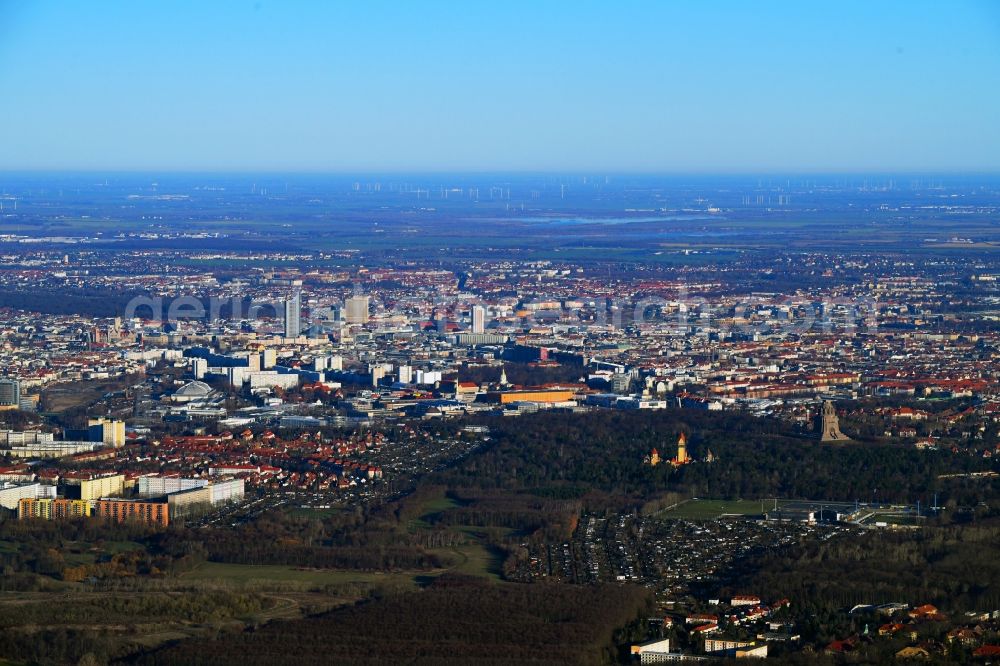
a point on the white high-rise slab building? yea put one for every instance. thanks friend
(478, 319)
(293, 326)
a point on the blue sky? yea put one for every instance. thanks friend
(543, 86)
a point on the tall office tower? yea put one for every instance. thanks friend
(293, 309)
(405, 374)
(268, 358)
(478, 319)
(356, 310)
(10, 393)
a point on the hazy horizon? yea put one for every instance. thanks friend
(554, 173)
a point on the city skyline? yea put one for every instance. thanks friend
(499, 333)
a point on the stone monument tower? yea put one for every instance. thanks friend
(829, 425)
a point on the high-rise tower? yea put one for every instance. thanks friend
(356, 310)
(293, 325)
(478, 319)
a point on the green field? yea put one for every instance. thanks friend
(479, 560)
(474, 559)
(895, 519)
(707, 509)
(250, 574)
(310, 512)
(428, 509)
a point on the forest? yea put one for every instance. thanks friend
(602, 452)
(457, 620)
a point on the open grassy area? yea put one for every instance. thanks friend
(312, 512)
(895, 519)
(479, 560)
(429, 508)
(243, 574)
(476, 557)
(439, 504)
(121, 546)
(708, 509)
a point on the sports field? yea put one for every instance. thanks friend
(710, 509)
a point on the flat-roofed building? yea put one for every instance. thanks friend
(10, 394)
(230, 490)
(123, 510)
(52, 449)
(202, 497)
(103, 486)
(12, 493)
(153, 486)
(24, 437)
(184, 502)
(57, 509)
(109, 432)
(529, 395)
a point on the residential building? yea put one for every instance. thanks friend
(122, 510)
(48, 508)
(103, 486)
(107, 431)
(10, 394)
(12, 493)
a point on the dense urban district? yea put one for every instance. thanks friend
(513, 421)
